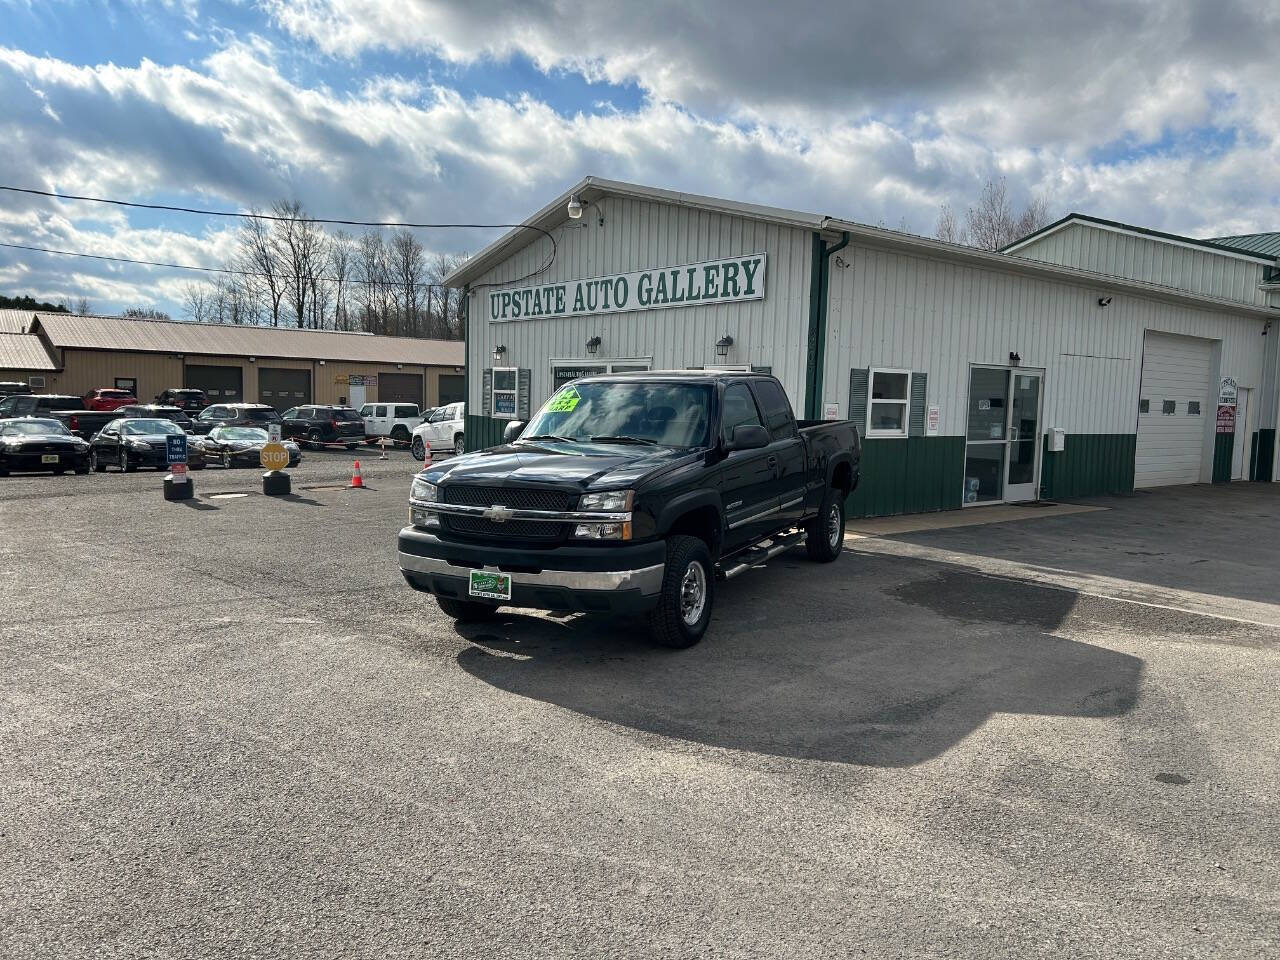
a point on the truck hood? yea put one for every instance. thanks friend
(587, 468)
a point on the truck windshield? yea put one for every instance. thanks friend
(667, 414)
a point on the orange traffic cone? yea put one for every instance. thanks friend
(356, 479)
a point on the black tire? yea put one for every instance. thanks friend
(82, 468)
(4, 471)
(465, 610)
(670, 623)
(315, 438)
(459, 445)
(126, 466)
(352, 446)
(198, 465)
(418, 449)
(96, 465)
(400, 433)
(824, 534)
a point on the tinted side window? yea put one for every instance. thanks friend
(739, 408)
(777, 411)
(402, 412)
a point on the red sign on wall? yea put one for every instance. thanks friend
(1226, 418)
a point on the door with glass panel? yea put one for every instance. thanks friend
(1002, 448)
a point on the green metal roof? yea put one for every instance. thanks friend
(1264, 243)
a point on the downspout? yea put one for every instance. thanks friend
(819, 283)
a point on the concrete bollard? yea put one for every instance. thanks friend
(276, 483)
(178, 490)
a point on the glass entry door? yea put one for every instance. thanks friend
(1002, 449)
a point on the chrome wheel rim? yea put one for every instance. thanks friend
(124, 459)
(416, 448)
(833, 527)
(693, 593)
(457, 447)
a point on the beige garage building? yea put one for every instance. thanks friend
(66, 353)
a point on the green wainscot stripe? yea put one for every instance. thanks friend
(483, 432)
(1223, 444)
(1263, 460)
(1091, 465)
(911, 475)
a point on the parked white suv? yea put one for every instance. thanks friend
(394, 420)
(442, 432)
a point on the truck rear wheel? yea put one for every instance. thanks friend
(466, 610)
(824, 534)
(688, 593)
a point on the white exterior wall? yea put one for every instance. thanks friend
(890, 309)
(1117, 254)
(639, 235)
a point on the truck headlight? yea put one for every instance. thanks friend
(609, 501)
(421, 490)
(602, 531)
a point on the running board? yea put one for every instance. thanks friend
(758, 555)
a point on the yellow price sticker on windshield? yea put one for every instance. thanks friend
(566, 401)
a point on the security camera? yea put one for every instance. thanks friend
(1104, 301)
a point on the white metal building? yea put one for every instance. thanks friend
(1088, 358)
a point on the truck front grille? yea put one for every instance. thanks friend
(517, 498)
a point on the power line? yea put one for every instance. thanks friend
(231, 271)
(287, 219)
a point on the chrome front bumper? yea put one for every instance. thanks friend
(647, 581)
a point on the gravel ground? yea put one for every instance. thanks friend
(228, 729)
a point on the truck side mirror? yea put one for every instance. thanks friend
(512, 431)
(748, 436)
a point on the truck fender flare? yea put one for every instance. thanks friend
(686, 503)
(834, 463)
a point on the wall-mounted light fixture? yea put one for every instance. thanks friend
(253, 359)
(1015, 360)
(593, 345)
(1104, 301)
(322, 363)
(399, 366)
(723, 345)
(575, 207)
(498, 353)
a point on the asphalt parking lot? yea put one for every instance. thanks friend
(230, 730)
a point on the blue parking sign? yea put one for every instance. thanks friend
(175, 448)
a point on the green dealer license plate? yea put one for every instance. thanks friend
(490, 586)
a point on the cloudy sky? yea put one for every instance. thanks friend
(1159, 114)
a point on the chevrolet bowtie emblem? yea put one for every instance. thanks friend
(498, 513)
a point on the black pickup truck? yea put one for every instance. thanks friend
(631, 494)
(83, 423)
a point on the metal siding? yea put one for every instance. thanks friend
(85, 370)
(640, 234)
(969, 315)
(1151, 260)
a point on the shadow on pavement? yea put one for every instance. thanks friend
(196, 504)
(891, 683)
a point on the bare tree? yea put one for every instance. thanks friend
(259, 256)
(145, 313)
(82, 306)
(372, 271)
(234, 301)
(301, 249)
(409, 268)
(448, 320)
(342, 256)
(948, 228)
(198, 302)
(992, 225)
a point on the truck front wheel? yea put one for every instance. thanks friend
(688, 592)
(824, 534)
(466, 610)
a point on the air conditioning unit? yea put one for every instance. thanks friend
(34, 382)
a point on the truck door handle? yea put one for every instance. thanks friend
(773, 463)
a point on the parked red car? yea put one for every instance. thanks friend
(107, 398)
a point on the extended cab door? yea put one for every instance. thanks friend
(786, 449)
(747, 481)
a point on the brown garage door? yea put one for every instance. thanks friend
(283, 388)
(452, 388)
(220, 384)
(400, 388)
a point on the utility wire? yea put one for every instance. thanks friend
(224, 270)
(286, 219)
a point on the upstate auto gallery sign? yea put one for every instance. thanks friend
(731, 280)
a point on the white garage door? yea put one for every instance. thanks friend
(1172, 410)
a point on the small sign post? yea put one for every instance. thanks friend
(177, 485)
(274, 457)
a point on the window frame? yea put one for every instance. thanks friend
(905, 403)
(755, 403)
(495, 392)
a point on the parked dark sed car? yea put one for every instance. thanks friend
(235, 415)
(39, 444)
(318, 424)
(155, 411)
(133, 442)
(185, 398)
(242, 447)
